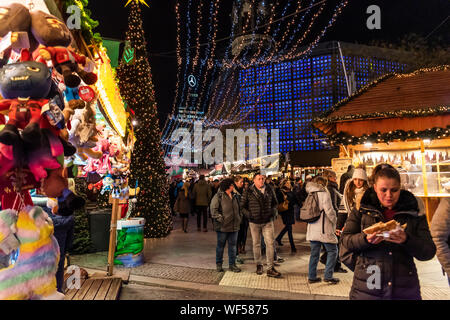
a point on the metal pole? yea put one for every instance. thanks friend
(345, 70)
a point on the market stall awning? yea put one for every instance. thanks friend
(417, 101)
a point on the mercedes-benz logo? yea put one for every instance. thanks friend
(192, 81)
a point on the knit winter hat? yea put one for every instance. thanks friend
(360, 174)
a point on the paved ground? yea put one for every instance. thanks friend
(187, 261)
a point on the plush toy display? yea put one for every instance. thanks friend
(32, 276)
(108, 183)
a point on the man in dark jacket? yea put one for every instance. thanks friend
(259, 205)
(227, 218)
(202, 194)
(345, 177)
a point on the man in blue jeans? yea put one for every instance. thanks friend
(227, 216)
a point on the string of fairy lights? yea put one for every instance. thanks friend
(221, 100)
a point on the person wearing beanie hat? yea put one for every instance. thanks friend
(360, 174)
(354, 189)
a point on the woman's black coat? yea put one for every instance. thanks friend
(398, 273)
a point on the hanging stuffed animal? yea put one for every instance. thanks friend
(108, 183)
(55, 38)
(15, 23)
(32, 276)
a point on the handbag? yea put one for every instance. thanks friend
(284, 206)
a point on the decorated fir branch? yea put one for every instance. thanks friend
(147, 163)
(344, 138)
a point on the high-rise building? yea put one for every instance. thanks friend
(289, 94)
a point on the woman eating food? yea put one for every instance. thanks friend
(384, 236)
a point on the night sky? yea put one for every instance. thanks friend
(398, 17)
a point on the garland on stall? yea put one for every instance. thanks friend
(343, 138)
(432, 111)
(87, 23)
(323, 116)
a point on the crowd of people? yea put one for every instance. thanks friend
(236, 204)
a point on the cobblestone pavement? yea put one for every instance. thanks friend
(187, 258)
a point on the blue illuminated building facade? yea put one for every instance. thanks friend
(288, 95)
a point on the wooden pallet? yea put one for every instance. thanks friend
(106, 288)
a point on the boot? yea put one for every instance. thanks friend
(273, 273)
(219, 267)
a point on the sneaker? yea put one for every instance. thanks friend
(332, 280)
(316, 280)
(279, 243)
(234, 268)
(239, 260)
(280, 260)
(259, 269)
(273, 273)
(340, 270)
(219, 267)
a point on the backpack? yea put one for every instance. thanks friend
(310, 211)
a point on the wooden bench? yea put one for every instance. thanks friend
(107, 288)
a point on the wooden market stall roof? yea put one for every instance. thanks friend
(383, 104)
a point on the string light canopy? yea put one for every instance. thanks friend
(269, 33)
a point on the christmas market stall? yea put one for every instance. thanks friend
(64, 129)
(403, 120)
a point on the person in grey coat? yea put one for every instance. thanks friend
(440, 231)
(322, 232)
(227, 216)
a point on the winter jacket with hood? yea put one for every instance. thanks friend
(227, 213)
(202, 192)
(315, 232)
(440, 231)
(257, 207)
(398, 273)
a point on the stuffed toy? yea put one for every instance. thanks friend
(25, 87)
(32, 276)
(15, 21)
(48, 30)
(108, 183)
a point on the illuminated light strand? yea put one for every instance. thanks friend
(258, 56)
(337, 12)
(299, 26)
(177, 99)
(298, 42)
(179, 61)
(198, 105)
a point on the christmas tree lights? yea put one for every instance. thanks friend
(147, 166)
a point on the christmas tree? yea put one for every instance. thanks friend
(147, 165)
